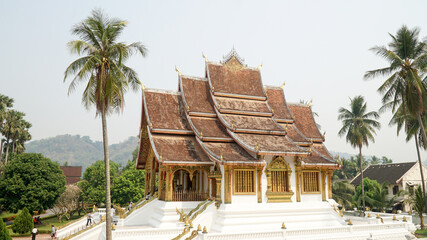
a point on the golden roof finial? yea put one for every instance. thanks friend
(232, 125)
(201, 133)
(220, 157)
(142, 86)
(257, 146)
(324, 133)
(151, 125)
(309, 103)
(219, 105)
(188, 108)
(179, 72)
(206, 59)
(283, 85)
(259, 67)
(309, 150)
(283, 225)
(286, 127)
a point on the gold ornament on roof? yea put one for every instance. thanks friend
(257, 146)
(179, 72)
(259, 67)
(309, 103)
(283, 85)
(324, 133)
(142, 86)
(206, 59)
(201, 133)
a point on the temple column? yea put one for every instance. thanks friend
(259, 192)
(330, 172)
(297, 178)
(160, 182)
(153, 177)
(218, 189)
(227, 184)
(323, 181)
(168, 193)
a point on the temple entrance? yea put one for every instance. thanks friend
(189, 187)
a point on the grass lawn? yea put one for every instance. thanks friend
(47, 224)
(421, 233)
(8, 214)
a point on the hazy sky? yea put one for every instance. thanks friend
(320, 48)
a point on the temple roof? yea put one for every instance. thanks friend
(178, 149)
(305, 122)
(277, 102)
(228, 117)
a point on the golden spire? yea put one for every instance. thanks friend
(257, 146)
(283, 85)
(201, 133)
(142, 86)
(206, 59)
(309, 103)
(221, 156)
(179, 72)
(324, 133)
(259, 67)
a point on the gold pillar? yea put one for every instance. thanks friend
(153, 177)
(323, 179)
(147, 177)
(330, 173)
(297, 178)
(168, 193)
(160, 182)
(259, 174)
(218, 189)
(227, 184)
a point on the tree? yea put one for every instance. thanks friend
(378, 197)
(30, 180)
(92, 186)
(129, 186)
(4, 232)
(419, 204)
(23, 223)
(102, 66)
(359, 127)
(342, 192)
(5, 104)
(67, 203)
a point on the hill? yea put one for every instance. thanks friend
(81, 150)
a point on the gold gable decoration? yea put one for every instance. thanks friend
(233, 62)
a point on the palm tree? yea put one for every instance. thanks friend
(419, 204)
(342, 192)
(101, 65)
(408, 63)
(13, 123)
(5, 104)
(413, 130)
(359, 127)
(379, 197)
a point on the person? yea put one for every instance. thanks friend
(34, 233)
(53, 233)
(130, 206)
(89, 219)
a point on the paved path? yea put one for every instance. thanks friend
(39, 237)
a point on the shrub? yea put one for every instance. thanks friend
(23, 222)
(4, 232)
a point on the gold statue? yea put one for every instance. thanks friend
(199, 228)
(283, 225)
(349, 222)
(404, 219)
(205, 230)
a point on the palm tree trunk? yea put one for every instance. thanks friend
(7, 150)
(423, 131)
(361, 175)
(1, 150)
(108, 224)
(421, 168)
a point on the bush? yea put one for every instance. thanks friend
(4, 232)
(23, 222)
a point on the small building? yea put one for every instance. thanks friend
(72, 174)
(399, 176)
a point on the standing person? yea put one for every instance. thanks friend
(53, 233)
(130, 206)
(89, 219)
(34, 232)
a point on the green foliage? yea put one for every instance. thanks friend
(93, 184)
(418, 204)
(350, 166)
(30, 180)
(23, 222)
(375, 195)
(342, 192)
(81, 150)
(4, 232)
(129, 186)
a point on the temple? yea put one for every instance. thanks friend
(228, 137)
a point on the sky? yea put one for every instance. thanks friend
(319, 48)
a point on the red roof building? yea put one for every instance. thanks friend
(72, 174)
(228, 135)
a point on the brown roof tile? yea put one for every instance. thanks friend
(304, 121)
(246, 106)
(321, 148)
(178, 149)
(317, 158)
(277, 102)
(242, 82)
(165, 110)
(72, 171)
(196, 95)
(268, 144)
(248, 123)
(294, 134)
(382, 173)
(231, 152)
(209, 127)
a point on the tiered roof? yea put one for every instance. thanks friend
(229, 118)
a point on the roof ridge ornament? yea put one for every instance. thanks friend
(233, 54)
(204, 57)
(283, 85)
(177, 70)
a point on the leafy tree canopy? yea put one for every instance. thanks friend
(30, 180)
(4, 232)
(129, 186)
(23, 223)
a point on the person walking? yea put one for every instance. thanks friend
(34, 233)
(53, 233)
(89, 219)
